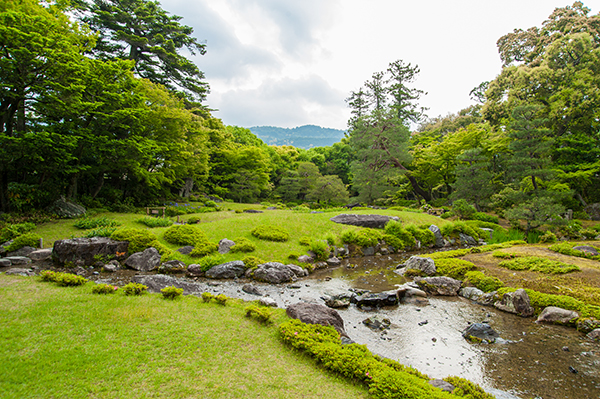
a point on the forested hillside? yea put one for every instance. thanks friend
(98, 104)
(306, 136)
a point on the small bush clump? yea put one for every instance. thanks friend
(221, 299)
(270, 233)
(11, 231)
(24, 240)
(252, 262)
(304, 241)
(425, 236)
(104, 289)
(455, 268)
(193, 220)
(208, 262)
(395, 229)
(483, 282)
(207, 297)
(454, 229)
(243, 245)
(566, 248)
(204, 249)
(155, 222)
(484, 217)
(171, 292)
(184, 235)
(48, 275)
(467, 389)
(363, 238)
(538, 264)
(132, 289)
(504, 255)
(463, 209)
(548, 237)
(139, 239)
(320, 249)
(87, 223)
(260, 313)
(100, 232)
(69, 280)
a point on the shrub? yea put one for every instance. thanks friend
(211, 204)
(304, 241)
(100, 232)
(139, 239)
(251, 262)
(208, 262)
(11, 231)
(484, 217)
(184, 235)
(48, 275)
(86, 223)
(589, 234)
(537, 264)
(548, 237)
(24, 240)
(221, 299)
(414, 273)
(330, 238)
(260, 313)
(363, 237)
(467, 389)
(134, 289)
(155, 222)
(69, 280)
(320, 249)
(243, 245)
(455, 268)
(204, 249)
(425, 236)
(270, 233)
(454, 229)
(104, 289)
(293, 256)
(463, 209)
(395, 229)
(171, 292)
(207, 296)
(450, 254)
(566, 248)
(193, 220)
(483, 282)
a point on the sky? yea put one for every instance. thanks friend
(290, 63)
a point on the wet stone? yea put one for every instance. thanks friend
(377, 323)
(18, 260)
(480, 332)
(252, 290)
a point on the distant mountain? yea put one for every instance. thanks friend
(306, 136)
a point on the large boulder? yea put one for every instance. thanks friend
(440, 285)
(275, 273)
(67, 209)
(85, 251)
(312, 313)
(515, 302)
(426, 265)
(144, 261)
(439, 238)
(225, 245)
(372, 221)
(234, 269)
(556, 315)
(480, 332)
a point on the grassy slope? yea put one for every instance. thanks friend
(228, 224)
(69, 343)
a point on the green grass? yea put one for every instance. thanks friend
(537, 264)
(231, 225)
(58, 342)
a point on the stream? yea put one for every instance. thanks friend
(532, 360)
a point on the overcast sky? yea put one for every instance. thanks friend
(289, 63)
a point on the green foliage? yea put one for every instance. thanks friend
(155, 222)
(455, 268)
(362, 237)
(454, 229)
(48, 275)
(414, 273)
(87, 223)
(104, 289)
(320, 248)
(466, 389)
(243, 245)
(193, 220)
(24, 240)
(305, 241)
(294, 256)
(450, 254)
(65, 279)
(204, 249)
(483, 282)
(424, 235)
(184, 235)
(484, 217)
(10, 231)
(260, 313)
(510, 235)
(221, 299)
(207, 297)
(252, 262)
(536, 264)
(270, 233)
(463, 209)
(100, 232)
(566, 248)
(504, 255)
(589, 234)
(133, 289)
(171, 292)
(139, 240)
(210, 261)
(548, 237)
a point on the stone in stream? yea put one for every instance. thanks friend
(144, 261)
(515, 302)
(341, 300)
(251, 289)
(276, 273)
(411, 295)
(440, 285)
(426, 265)
(312, 313)
(377, 323)
(556, 315)
(480, 332)
(172, 266)
(594, 334)
(233, 269)
(376, 300)
(586, 325)
(471, 293)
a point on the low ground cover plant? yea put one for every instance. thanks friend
(483, 282)
(13, 230)
(24, 240)
(104, 289)
(133, 289)
(155, 222)
(566, 248)
(538, 264)
(270, 233)
(243, 245)
(63, 279)
(260, 313)
(139, 239)
(87, 223)
(454, 229)
(320, 248)
(171, 292)
(362, 237)
(208, 262)
(455, 268)
(184, 235)
(100, 232)
(252, 262)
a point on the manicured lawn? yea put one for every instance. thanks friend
(58, 342)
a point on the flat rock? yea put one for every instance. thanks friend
(195, 269)
(5, 262)
(233, 269)
(377, 323)
(252, 290)
(334, 261)
(372, 221)
(471, 293)
(411, 295)
(305, 259)
(18, 260)
(312, 313)
(85, 250)
(144, 261)
(556, 315)
(112, 266)
(225, 246)
(481, 332)
(426, 265)
(340, 300)
(589, 250)
(440, 285)
(17, 271)
(515, 302)
(40, 254)
(25, 251)
(252, 211)
(376, 300)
